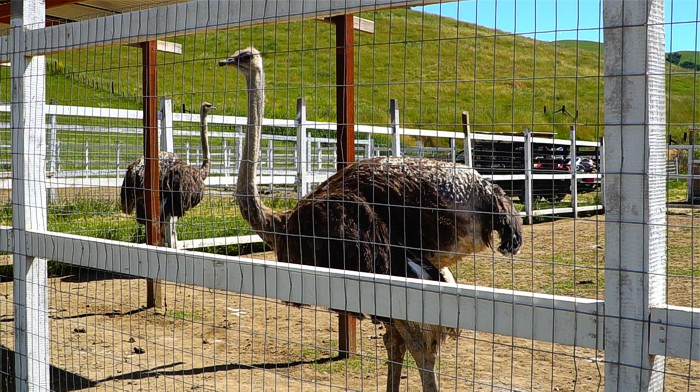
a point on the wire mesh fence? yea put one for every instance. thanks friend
(357, 195)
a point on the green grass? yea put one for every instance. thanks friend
(435, 67)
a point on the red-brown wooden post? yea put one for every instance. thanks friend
(150, 148)
(345, 102)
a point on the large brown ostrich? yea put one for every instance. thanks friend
(172, 204)
(399, 216)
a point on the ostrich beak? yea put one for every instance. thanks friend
(228, 61)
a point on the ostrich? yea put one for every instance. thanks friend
(182, 185)
(132, 191)
(364, 218)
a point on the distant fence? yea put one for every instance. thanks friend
(299, 161)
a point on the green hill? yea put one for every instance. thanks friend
(435, 68)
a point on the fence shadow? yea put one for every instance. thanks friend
(61, 380)
(215, 368)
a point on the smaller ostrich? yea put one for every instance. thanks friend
(133, 187)
(182, 186)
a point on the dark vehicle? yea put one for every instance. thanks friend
(498, 158)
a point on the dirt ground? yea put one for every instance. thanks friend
(102, 338)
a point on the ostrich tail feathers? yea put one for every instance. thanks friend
(507, 223)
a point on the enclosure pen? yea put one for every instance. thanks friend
(360, 195)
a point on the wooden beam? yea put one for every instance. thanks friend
(151, 153)
(5, 9)
(202, 15)
(164, 46)
(345, 104)
(359, 24)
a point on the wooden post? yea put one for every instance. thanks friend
(167, 143)
(29, 205)
(635, 191)
(467, 140)
(574, 180)
(150, 146)
(395, 128)
(528, 176)
(302, 149)
(345, 100)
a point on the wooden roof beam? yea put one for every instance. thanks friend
(360, 24)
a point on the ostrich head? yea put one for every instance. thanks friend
(247, 60)
(206, 109)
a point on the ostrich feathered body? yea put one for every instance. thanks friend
(377, 214)
(132, 193)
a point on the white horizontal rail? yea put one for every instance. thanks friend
(551, 318)
(219, 241)
(675, 332)
(187, 18)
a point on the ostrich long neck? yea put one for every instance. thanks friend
(258, 215)
(204, 135)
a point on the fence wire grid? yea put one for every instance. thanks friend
(505, 193)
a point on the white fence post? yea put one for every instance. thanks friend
(395, 128)
(635, 200)
(574, 180)
(528, 175)
(187, 153)
(167, 143)
(467, 140)
(302, 149)
(29, 204)
(118, 159)
(227, 159)
(53, 149)
(87, 160)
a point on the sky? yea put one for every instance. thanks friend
(550, 20)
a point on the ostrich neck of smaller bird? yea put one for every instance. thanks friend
(258, 215)
(204, 136)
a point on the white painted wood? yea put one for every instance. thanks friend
(395, 128)
(53, 156)
(567, 320)
(167, 143)
(635, 199)
(529, 200)
(6, 239)
(675, 332)
(302, 150)
(164, 46)
(29, 204)
(359, 24)
(562, 210)
(574, 177)
(190, 18)
(218, 241)
(468, 159)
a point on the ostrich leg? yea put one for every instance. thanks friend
(395, 348)
(423, 346)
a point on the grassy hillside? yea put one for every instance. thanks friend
(436, 68)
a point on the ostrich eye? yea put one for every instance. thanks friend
(245, 56)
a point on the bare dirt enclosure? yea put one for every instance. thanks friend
(103, 339)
